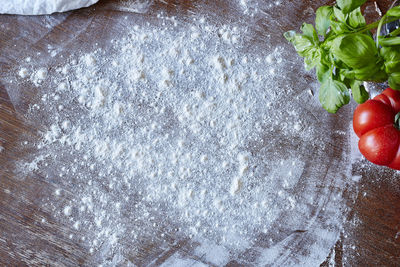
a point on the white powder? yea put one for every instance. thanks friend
(67, 211)
(38, 77)
(23, 73)
(182, 131)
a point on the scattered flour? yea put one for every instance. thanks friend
(23, 73)
(182, 132)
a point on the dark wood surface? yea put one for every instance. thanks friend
(30, 236)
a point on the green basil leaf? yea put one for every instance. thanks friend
(392, 66)
(333, 95)
(349, 74)
(395, 32)
(289, 35)
(389, 41)
(349, 5)
(372, 72)
(325, 56)
(360, 95)
(339, 14)
(355, 50)
(394, 80)
(323, 72)
(322, 19)
(391, 56)
(301, 43)
(339, 27)
(393, 12)
(339, 64)
(309, 31)
(305, 46)
(356, 19)
(312, 58)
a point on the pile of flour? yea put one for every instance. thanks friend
(178, 130)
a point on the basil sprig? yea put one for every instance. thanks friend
(344, 53)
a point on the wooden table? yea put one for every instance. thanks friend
(371, 232)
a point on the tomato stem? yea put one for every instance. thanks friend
(397, 121)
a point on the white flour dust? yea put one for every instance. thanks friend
(178, 130)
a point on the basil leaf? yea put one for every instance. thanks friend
(339, 27)
(392, 66)
(393, 12)
(394, 80)
(339, 14)
(349, 5)
(349, 74)
(333, 95)
(322, 19)
(356, 19)
(301, 43)
(395, 32)
(312, 58)
(372, 72)
(289, 35)
(323, 72)
(389, 41)
(360, 95)
(339, 64)
(355, 50)
(391, 55)
(325, 57)
(309, 31)
(305, 45)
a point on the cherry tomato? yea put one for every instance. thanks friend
(376, 123)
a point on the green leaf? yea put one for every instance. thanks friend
(389, 41)
(305, 45)
(309, 31)
(339, 27)
(333, 95)
(349, 5)
(323, 72)
(322, 19)
(339, 14)
(312, 58)
(349, 74)
(289, 35)
(395, 32)
(372, 72)
(338, 22)
(394, 80)
(325, 57)
(360, 95)
(356, 19)
(391, 56)
(392, 66)
(394, 12)
(355, 50)
(301, 43)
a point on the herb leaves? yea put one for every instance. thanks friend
(344, 54)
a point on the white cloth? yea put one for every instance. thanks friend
(41, 7)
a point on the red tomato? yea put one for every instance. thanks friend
(374, 122)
